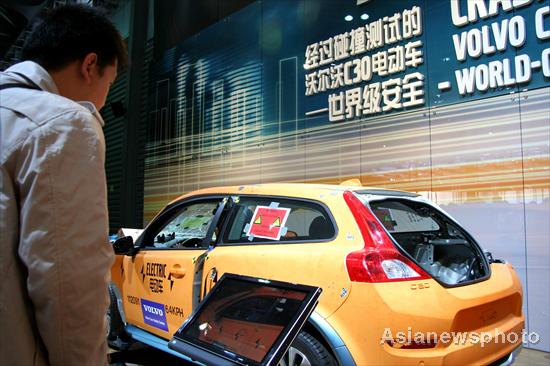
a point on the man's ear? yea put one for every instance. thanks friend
(88, 67)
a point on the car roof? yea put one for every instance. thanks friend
(305, 190)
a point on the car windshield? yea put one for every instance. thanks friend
(192, 222)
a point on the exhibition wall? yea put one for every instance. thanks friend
(450, 99)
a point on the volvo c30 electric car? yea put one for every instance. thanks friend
(403, 282)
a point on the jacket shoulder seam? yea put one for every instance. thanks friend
(35, 126)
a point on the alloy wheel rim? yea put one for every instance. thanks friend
(293, 357)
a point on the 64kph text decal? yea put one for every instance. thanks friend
(156, 274)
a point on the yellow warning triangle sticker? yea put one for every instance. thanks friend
(258, 220)
(277, 222)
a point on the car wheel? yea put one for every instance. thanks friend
(307, 351)
(116, 336)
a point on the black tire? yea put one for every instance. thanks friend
(117, 336)
(307, 351)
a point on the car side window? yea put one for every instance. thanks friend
(261, 219)
(186, 227)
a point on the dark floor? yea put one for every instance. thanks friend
(142, 355)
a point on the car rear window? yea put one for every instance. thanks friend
(432, 239)
(398, 217)
(261, 219)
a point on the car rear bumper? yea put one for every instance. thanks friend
(494, 352)
(508, 359)
(484, 321)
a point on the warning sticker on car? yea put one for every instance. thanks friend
(154, 314)
(268, 222)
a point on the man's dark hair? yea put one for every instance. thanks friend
(68, 33)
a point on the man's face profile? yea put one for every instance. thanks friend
(100, 80)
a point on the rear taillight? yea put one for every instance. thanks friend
(379, 260)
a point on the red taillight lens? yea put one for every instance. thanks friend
(379, 260)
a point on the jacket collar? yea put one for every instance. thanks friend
(36, 73)
(39, 76)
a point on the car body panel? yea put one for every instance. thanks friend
(160, 286)
(312, 264)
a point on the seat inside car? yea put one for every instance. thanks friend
(320, 229)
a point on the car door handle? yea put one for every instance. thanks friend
(177, 271)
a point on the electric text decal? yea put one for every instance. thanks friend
(156, 273)
(490, 39)
(268, 222)
(393, 93)
(153, 314)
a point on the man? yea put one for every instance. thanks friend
(54, 253)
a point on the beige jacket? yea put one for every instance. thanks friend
(54, 252)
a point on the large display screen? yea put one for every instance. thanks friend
(449, 99)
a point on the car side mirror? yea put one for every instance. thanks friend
(124, 245)
(491, 259)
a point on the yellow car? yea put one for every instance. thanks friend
(403, 283)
